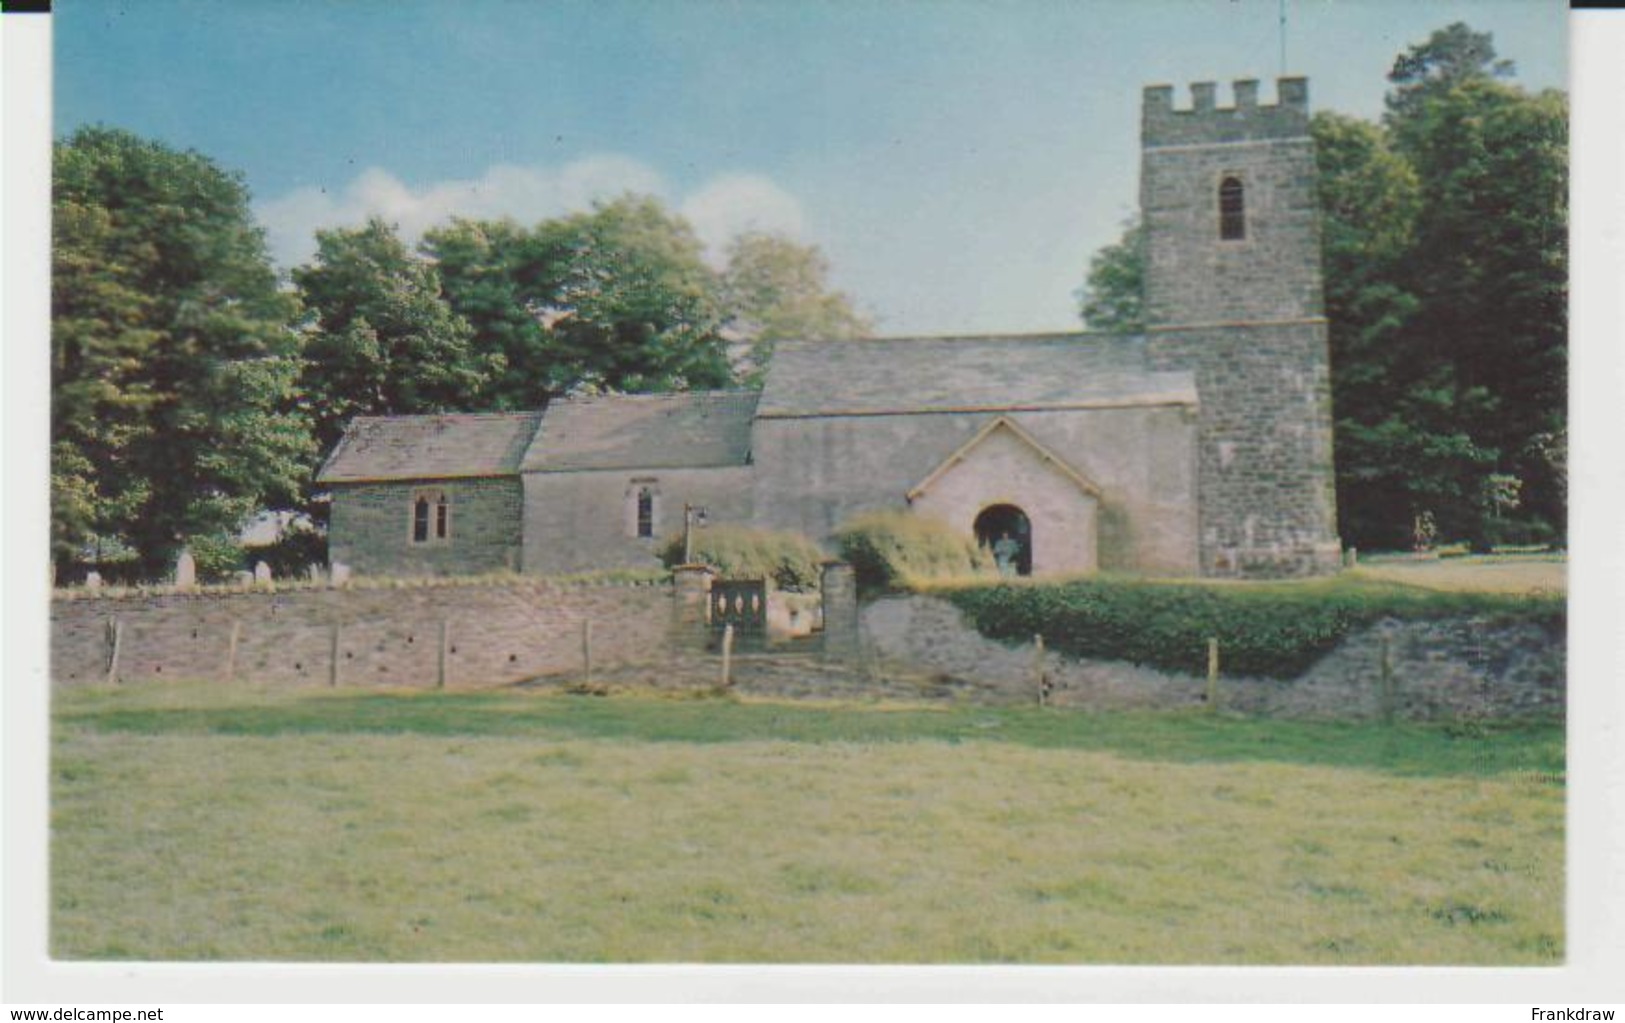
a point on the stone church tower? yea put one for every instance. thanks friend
(1233, 295)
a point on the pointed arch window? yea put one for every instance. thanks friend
(646, 511)
(642, 508)
(1232, 210)
(431, 516)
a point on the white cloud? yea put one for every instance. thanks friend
(728, 205)
(718, 209)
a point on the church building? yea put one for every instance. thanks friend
(1202, 446)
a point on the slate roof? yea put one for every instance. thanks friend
(938, 374)
(645, 431)
(430, 447)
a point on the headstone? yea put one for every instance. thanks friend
(262, 572)
(339, 573)
(93, 581)
(185, 569)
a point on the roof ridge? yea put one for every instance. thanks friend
(1037, 335)
(742, 392)
(397, 416)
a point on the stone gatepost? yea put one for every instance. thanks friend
(691, 606)
(840, 589)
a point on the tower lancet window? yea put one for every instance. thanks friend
(1232, 210)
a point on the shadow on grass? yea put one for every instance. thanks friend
(1483, 749)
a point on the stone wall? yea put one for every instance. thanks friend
(813, 474)
(371, 528)
(1003, 468)
(388, 636)
(585, 520)
(1452, 668)
(1269, 504)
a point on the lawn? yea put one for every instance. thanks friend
(197, 823)
(1484, 573)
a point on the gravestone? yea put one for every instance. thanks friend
(93, 581)
(262, 572)
(185, 569)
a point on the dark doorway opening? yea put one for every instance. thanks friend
(1006, 533)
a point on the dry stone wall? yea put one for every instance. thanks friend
(495, 632)
(1451, 668)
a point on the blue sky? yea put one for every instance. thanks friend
(958, 162)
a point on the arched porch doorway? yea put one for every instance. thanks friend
(1007, 533)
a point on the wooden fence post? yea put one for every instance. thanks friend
(333, 657)
(445, 642)
(112, 655)
(1039, 678)
(1386, 680)
(727, 655)
(1212, 673)
(231, 650)
(586, 650)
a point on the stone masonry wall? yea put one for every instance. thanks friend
(815, 474)
(1451, 668)
(371, 528)
(1268, 499)
(389, 636)
(1246, 316)
(585, 520)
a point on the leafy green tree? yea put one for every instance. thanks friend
(616, 298)
(632, 303)
(174, 361)
(1489, 269)
(1369, 198)
(1450, 56)
(493, 276)
(383, 340)
(1112, 297)
(776, 289)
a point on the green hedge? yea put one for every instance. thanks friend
(1273, 630)
(791, 560)
(893, 550)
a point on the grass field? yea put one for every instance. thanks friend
(205, 823)
(1485, 573)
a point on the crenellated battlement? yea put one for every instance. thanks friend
(1205, 122)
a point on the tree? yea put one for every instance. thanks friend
(616, 298)
(633, 304)
(1489, 269)
(173, 359)
(1112, 297)
(776, 289)
(1369, 197)
(493, 278)
(1450, 56)
(383, 340)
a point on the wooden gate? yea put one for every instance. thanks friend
(741, 603)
